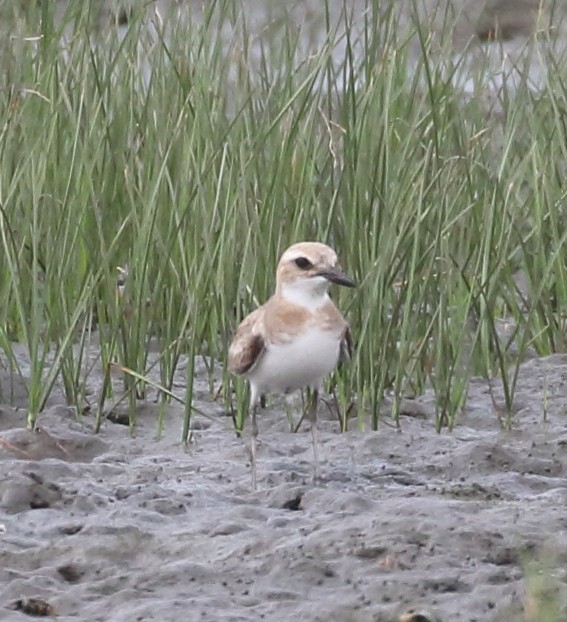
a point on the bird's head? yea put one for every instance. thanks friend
(305, 272)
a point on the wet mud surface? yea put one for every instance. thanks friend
(401, 521)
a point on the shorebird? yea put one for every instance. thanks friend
(297, 338)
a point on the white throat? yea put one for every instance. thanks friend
(309, 293)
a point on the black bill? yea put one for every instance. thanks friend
(336, 275)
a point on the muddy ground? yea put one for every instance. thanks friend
(121, 528)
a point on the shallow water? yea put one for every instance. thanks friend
(493, 44)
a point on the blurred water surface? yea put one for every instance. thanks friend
(503, 41)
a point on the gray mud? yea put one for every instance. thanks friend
(121, 528)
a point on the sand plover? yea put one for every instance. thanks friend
(295, 339)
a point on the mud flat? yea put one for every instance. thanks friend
(114, 527)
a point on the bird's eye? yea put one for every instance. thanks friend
(303, 263)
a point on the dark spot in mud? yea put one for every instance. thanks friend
(416, 616)
(120, 418)
(33, 607)
(70, 530)
(122, 492)
(502, 557)
(293, 504)
(500, 578)
(39, 504)
(446, 585)
(370, 552)
(36, 477)
(70, 573)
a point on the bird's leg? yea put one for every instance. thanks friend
(254, 410)
(289, 411)
(314, 432)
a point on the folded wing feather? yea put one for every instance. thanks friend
(248, 345)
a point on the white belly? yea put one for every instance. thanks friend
(303, 362)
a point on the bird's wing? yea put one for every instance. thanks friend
(247, 345)
(346, 346)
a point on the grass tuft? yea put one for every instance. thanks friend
(192, 152)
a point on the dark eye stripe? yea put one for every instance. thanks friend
(303, 263)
